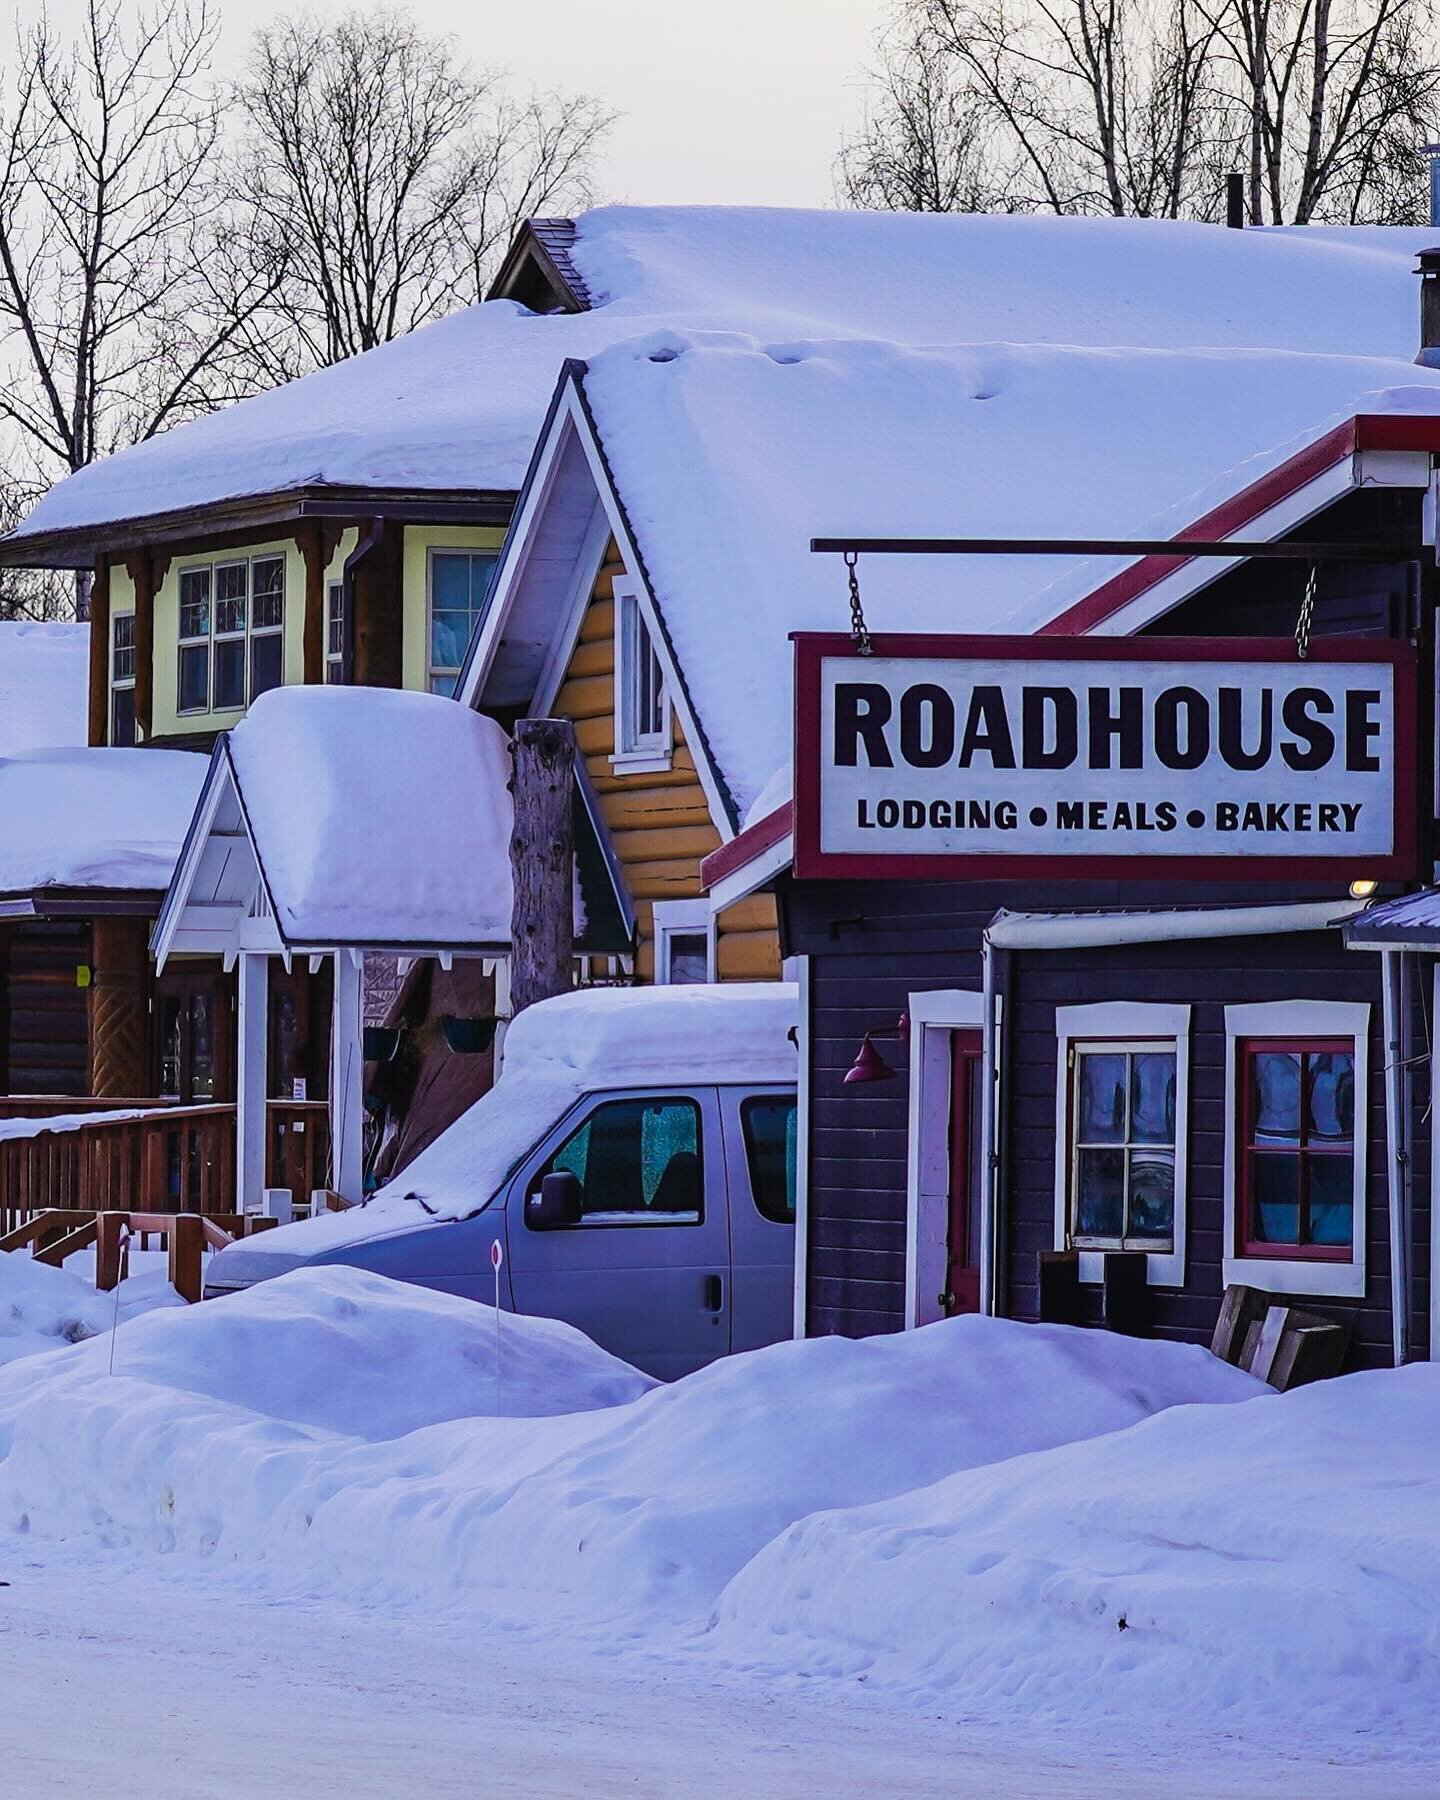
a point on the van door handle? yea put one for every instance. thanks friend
(714, 1293)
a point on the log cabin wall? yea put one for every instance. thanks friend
(660, 822)
(43, 1009)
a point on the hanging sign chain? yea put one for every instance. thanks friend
(1307, 614)
(859, 630)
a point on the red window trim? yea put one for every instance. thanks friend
(1264, 1249)
(1082, 1044)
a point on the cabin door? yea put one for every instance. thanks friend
(967, 1187)
(192, 1035)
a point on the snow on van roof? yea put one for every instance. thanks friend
(379, 816)
(594, 1040)
(95, 818)
(458, 404)
(43, 685)
(729, 453)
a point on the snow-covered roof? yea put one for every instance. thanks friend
(94, 818)
(43, 675)
(457, 405)
(352, 816)
(729, 453)
(593, 1041)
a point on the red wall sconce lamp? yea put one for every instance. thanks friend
(869, 1064)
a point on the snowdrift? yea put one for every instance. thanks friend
(45, 1309)
(1228, 1565)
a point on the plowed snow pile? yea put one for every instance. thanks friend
(1234, 1566)
(45, 1309)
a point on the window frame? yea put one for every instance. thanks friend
(443, 671)
(213, 637)
(685, 918)
(1293, 1025)
(747, 1106)
(620, 1221)
(1122, 1025)
(122, 684)
(334, 659)
(635, 751)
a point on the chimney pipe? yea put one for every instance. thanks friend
(1235, 198)
(1428, 270)
(1431, 153)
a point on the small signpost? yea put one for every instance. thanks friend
(497, 1256)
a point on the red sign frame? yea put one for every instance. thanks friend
(811, 863)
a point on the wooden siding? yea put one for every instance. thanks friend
(659, 823)
(44, 1015)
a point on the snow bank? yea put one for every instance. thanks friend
(95, 817)
(641, 1512)
(45, 1309)
(43, 686)
(730, 452)
(380, 816)
(555, 1052)
(459, 404)
(351, 1352)
(1264, 1567)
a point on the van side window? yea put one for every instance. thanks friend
(768, 1125)
(637, 1162)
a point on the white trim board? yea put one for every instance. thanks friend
(933, 1016)
(1298, 1019)
(1125, 1021)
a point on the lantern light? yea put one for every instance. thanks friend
(1362, 888)
(869, 1065)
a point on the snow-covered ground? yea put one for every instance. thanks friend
(979, 1558)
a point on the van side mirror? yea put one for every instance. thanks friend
(559, 1202)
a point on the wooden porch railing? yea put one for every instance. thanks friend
(53, 1235)
(50, 1106)
(175, 1160)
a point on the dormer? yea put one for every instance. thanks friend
(539, 272)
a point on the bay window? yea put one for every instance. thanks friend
(231, 633)
(459, 592)
(122, 679)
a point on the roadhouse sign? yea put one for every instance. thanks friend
(953, 756)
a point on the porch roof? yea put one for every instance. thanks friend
(1408, 922)
(347, 818)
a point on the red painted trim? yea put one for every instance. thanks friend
(753, 841)
(811, 863)
(967, 1048)
(1266, 1249)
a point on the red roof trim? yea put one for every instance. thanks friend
(1366, 431)
(754, 841)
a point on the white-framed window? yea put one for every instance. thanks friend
(122, 679)
(334, 631)
(685, 943)
(1296, 1077)
(1121, 1134)
(643, 727)
(459, 591)
(232, 632)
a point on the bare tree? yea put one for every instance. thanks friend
(1141, 106)
(30, 593)
(386, 177)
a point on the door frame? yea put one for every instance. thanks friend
(934, 1016)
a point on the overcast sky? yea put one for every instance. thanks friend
(721, 100)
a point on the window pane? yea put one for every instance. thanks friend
(230, 672)
(1152, 1194)
(769, 1131)
(194, 603)
(124, 631)
(637, 1156)
(1332, 1200)
(443, 684)
(122, 717)
(124, 668)
(1330, 1114)
(1275, 1096)
(449, 635)
(230, 596)
(450, 582)
(689, 956)
(1152, 1098)
(267, 584)
(266, 658)
(334, 671)
(195, 678)
(1100, 1193)
(1275, 1198)
(1102, 1099)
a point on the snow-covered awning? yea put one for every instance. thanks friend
(82, 825)
(347, 818)
(1408, 922)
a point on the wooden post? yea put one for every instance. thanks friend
(311, 538)
(347, 1063)
(187, 1244)
(110, 1231)
(120, 973)
(542, 920)
(98, 731)
(142, 573)
(376, 629)
(251, 1126)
